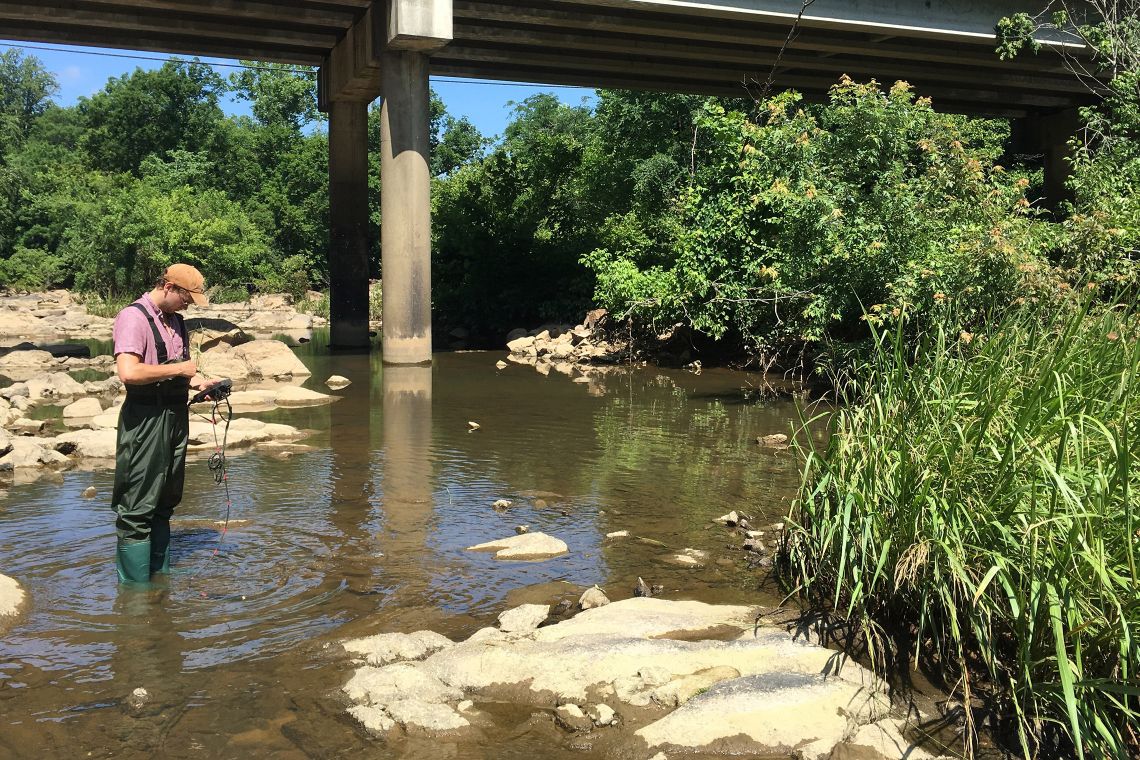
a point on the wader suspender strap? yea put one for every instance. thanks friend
(159, 343)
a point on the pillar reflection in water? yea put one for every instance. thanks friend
(352, 449)
(407, 475)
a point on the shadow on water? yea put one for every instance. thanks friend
(364, 534)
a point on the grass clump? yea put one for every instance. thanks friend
(976, 500)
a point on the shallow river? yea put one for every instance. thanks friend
(367, 534)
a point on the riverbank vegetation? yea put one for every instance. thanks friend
(977, 499)
(973, 510)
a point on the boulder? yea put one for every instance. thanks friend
(515, 334)
(207, 333)
(571, 718)
(271, 358)
(336, 382)
(592, 598)
(602, 715)
(88, 444)
(528, 546)
(28, 453)
(522, 346)
(84, 407)
(525, 617)
(54, 385)
(258, 358)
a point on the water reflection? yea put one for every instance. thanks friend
(407, 500)
(351, 473)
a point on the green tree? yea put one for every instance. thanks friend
(26, 89)
(280, 95)
(148, 113)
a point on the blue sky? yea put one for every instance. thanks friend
(82, 71)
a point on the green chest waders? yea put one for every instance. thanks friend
(150, 467)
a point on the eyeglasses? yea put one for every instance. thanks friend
(183, 293)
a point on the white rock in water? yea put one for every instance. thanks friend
(84, 407)
(618, 534)
(428, 716)
(602, 714)
(336, 382)
(593, 597)
(571, 718)
(732, 518)
(525, 617)
(372, 718)
(528, 546)
(11, 597)
(385, 648)
(501, 364)
(292, 395)
(90, 444)
(473, 425)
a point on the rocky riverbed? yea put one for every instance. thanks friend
(50, 421)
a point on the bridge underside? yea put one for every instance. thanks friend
(693, 48)
(366, 49)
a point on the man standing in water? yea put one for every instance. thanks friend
(152, 357)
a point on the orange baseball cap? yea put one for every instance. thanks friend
(189, 279)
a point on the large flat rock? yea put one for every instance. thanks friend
(740, 689)
(528, 546)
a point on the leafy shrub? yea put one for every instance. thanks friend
(794, 222)
(28, 269)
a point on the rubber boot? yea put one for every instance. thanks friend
(133, 560)
(160, 545)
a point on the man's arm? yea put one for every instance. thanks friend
(132, 371)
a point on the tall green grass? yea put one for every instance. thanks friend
(979, 497)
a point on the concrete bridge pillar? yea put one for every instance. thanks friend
(348, 224)
(384, 54)
(405, 208)
(1047, 136)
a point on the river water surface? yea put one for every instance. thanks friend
(366, 534)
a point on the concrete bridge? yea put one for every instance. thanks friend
(386, 48)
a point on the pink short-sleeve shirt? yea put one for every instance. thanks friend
(132, 333)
